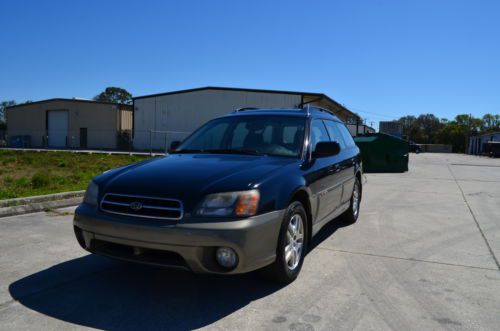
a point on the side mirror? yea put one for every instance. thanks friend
(326, 149)
(174, 145)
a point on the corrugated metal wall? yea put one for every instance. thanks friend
(126, 120)
(175, 116)
(476, 142)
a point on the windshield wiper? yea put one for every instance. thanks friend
(219, 151)
(188, 151)
(235, 151)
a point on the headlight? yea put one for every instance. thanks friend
(243, 203)
(91, 194)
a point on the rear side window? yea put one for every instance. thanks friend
(318, 133)
(334, 133)
(349, 142)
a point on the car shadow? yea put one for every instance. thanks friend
(98, 292)
(326, 232)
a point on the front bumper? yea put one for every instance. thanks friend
(189, 243)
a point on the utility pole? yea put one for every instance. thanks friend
(467, 136)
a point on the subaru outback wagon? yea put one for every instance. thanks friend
(245, 191)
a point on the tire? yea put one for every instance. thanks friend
(350, 216)
(287, 266)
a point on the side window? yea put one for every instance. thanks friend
(334, 133)
(346, 135)
(318, 133)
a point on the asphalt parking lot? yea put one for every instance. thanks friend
(423, 256)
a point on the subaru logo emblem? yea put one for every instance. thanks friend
(136, 206)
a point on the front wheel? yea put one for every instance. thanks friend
(351, 214)
(291, 244)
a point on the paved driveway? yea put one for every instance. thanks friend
(423, 255)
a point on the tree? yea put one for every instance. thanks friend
(3, 105)
(115, 94)
(490, 122)
(458, 131)
(454, 134)
(428, 129)
(411, 129)
(421, 129)
(429, 125)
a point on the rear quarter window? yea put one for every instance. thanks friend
(346, 135)
(334, 133)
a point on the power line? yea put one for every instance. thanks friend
(372, 113)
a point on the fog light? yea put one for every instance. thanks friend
(226, 257)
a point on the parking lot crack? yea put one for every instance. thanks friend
(492, 253)
(405, 258)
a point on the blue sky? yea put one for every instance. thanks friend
(383, 59)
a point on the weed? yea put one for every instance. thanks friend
(40, 179)
(52, 172)
(23, 181)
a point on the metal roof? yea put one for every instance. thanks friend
(319, 96)
(68, 100)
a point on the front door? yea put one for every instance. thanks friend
(322, 176)
(83, 137)
(57, 128)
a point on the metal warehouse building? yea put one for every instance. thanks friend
(477, 143)
(67, 123)
(162, 118)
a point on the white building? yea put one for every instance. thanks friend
(162, 118)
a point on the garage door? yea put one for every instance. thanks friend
(58, 128)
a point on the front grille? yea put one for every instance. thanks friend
(141, 206)
(143, 255)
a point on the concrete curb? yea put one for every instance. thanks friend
(12, 207)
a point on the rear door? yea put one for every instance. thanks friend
(348, 164)
(57, 128)
(336, 175)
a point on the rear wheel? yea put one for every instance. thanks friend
(351, 214)
(291, 244)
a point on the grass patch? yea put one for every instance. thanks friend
(24, 174)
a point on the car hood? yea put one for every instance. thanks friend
(188, 177)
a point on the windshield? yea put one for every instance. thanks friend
(259, 135)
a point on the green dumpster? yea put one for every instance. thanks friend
(383, 153)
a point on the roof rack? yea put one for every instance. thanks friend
(245, 108)
(308, 107)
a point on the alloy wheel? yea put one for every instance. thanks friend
(355, 199)
(294, 241)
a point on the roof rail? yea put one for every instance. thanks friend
(245, 108)
(308, 107)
